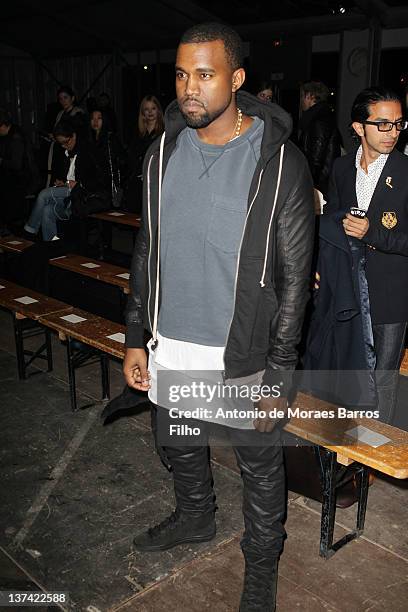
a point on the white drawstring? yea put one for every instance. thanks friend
(156, 302)
(262, 281)
(150, 238)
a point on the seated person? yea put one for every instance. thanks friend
(79, 167)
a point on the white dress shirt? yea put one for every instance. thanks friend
(367, 182)
(71, 171)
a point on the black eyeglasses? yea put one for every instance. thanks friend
(386, 126)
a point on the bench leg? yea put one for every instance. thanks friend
(71, 375)
(18, 335)
(329, 503)
(123, 299)
(327, 547)
(49, 350)
(362, 501)
(83, 237)
(104, 360)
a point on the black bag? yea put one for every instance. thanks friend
(304, 472)
(83, 202)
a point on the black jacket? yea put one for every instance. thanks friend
(338, 363)
(88, 170)
(274, 260)
(320, 141)
(56, 155)
(108, 146)
(387, 262)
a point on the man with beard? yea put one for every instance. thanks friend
(220, 279)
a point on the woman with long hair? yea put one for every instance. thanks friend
(150, 125)
(150, 121)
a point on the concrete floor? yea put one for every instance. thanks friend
(74, 492)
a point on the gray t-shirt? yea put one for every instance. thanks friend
(204, 205)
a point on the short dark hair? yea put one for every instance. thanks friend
(66, 89)
(65, 128)
(208, 32)
(317, 89)
(360, 111)
(5, 117)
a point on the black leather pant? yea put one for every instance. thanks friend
(262, 470)
(389, 341)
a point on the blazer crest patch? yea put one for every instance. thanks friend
(389, 219)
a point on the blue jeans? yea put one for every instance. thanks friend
(49, 206)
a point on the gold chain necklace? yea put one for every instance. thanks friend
(238, 125)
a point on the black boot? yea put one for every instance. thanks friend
(178, 528)
(260, 583)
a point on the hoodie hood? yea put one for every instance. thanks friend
(277, 122)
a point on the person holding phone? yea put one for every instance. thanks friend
(366, 223)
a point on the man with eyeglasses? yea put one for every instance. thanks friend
(368, 202)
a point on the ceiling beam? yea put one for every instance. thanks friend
(397, 17)
(312, 25)
(68, 24)
(190, 10)
(376, 9)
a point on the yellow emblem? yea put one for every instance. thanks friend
(389, 219)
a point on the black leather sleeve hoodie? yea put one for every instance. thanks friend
(273, 269)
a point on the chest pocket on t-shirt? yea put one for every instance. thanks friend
(226, 223)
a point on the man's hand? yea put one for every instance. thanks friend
(267, 404)
(317, 281)
(135, 369)
(353, 226)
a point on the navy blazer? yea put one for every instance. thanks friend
(387, 259)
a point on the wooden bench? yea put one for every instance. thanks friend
(338, 446)
(14, 244)
(118, 216)
(94, 268)
(105, 220)
(25, 304)
(404, 364)
(102, 336)
(105, 337)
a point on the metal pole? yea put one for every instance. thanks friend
(374, 52)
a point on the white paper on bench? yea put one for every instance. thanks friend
(90, 265)
(73, 318)
(125, 275)
(119, 337)
(368, 436)
(2, 287)
(116, 214)
(25, 300)
(14, 242)
(55, 258)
